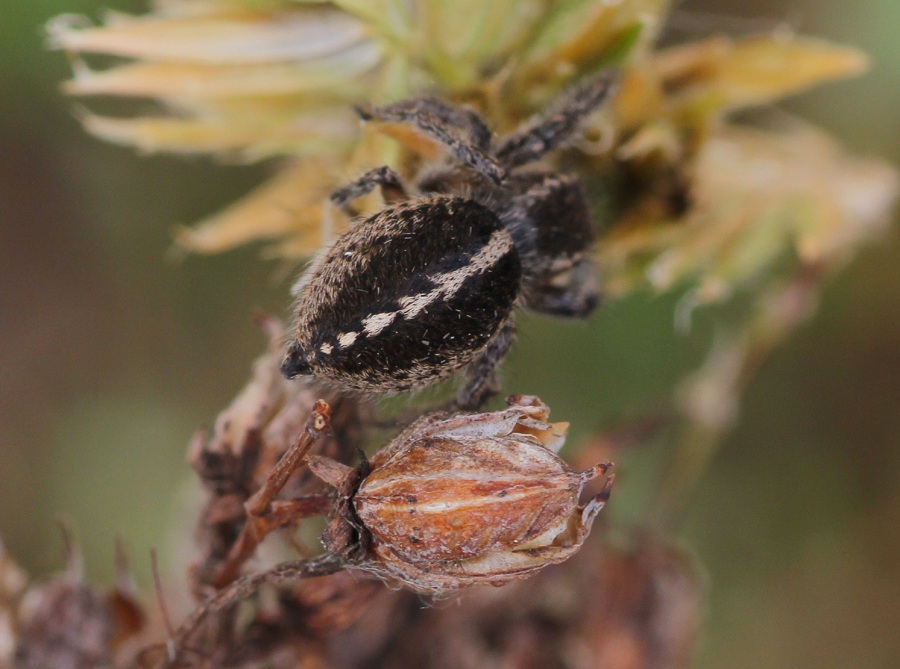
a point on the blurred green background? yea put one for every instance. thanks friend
(111, 355)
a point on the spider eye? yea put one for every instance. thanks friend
(296, 363)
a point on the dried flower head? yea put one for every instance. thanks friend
(462, 500)
(252, 80)
(65, 622)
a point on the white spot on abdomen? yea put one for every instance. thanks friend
(347, 339)
(378, 322)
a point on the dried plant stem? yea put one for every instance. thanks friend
(695, 448)
(711, 396)
(161, 598)
(264, 514)
(322, 565)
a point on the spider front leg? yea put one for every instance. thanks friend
(551, 222)
(483, 383)
(570, 294)
(412, 109)
(392, 189)
(438, 120)
(558, 124)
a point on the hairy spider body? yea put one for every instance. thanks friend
(427, 286)
(424, 297)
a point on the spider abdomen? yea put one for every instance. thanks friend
(407, 297)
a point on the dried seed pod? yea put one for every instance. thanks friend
(465, 499)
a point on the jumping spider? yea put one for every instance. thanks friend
(426, 286)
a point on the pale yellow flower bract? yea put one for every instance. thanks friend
(252, 80)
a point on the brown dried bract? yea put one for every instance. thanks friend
(67, 623)
(462, 500)
(249, 437)
(637, 604)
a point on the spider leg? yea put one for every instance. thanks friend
(438, 120)
(460, 117)
(550, 220)
(558, 124)
(383, 177)
(572, 293)
(483, 383)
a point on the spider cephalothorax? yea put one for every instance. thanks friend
(426, 286)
